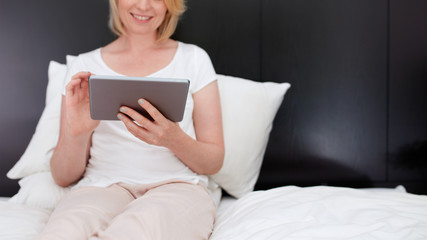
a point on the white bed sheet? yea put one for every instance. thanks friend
(324, 213)
(283, 213)
(20, 222)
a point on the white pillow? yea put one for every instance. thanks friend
(248, 111)
(37, 154)
(39, 190)
(37, 187)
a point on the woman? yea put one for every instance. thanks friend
(144, 179)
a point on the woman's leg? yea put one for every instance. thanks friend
(83, 211)
(170, 211)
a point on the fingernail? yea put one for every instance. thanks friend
(123, 109)
(141, 101)
(119, 116)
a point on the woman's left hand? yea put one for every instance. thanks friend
(161, 131)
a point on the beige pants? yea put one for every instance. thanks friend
(174, 210)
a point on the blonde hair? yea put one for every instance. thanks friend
(175, 8)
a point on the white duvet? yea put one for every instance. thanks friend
(324, 213)
(284, 213)
(20, 222)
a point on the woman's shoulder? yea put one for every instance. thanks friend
(191, 48)
(88, 59)
(193, 51)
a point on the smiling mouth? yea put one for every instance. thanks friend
(141, 18)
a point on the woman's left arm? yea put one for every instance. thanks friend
(205, 155)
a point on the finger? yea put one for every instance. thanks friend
(152, 111)
(71, 86)
(133, 128)
(141, 120)
(84, 85)
(82, 75)
(80, 80)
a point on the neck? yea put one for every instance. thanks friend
(138, 43)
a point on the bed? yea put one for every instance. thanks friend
(283, 213)
(325, 138)
(288, 212)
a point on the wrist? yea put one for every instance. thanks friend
(77, 136)
(180, 142)
(79, 130)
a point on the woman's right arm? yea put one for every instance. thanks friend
(69, 160)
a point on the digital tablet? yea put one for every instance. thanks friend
(108, 93)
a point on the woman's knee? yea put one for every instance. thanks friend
(173, 212)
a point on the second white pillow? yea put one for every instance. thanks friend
(248, 111)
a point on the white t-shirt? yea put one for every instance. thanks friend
(118, 156)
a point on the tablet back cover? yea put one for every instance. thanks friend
(109, 93)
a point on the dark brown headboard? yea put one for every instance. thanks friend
(356, 114)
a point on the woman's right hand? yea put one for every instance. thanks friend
(77, 106)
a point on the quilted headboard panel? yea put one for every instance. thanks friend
(355, 115)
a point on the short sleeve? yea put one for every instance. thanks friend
(73, 66)
(205, 72)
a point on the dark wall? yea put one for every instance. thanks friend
(407, 108)
(355, 115)
(32, 34)
(334, 53)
